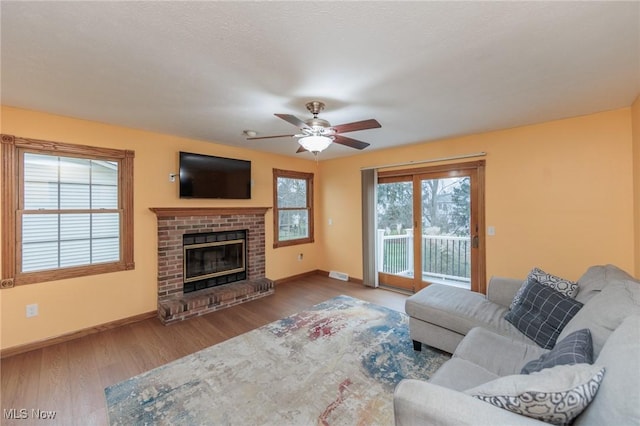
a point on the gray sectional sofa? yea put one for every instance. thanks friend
(489, 353)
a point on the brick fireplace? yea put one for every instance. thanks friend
(177, 225)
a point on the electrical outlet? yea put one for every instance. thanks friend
(32, 310)
(172, 177)
(300, 256)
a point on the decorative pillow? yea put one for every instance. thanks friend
(542, 313)
(576, 348)
(566, 287)
(555, 395)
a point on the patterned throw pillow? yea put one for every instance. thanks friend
(555, 395)
(542, 313)
(576, 348)
(566, 287)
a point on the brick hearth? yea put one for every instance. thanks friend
(173, 304)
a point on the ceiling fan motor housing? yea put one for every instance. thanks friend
(317, 122)
(319, 126)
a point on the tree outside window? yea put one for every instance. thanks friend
(293, 207)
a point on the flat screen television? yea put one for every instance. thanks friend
(206, 176)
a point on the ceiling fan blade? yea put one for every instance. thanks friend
(357, 125)
(269, 137)
(352, 143)
(293, 120)
(300, 149)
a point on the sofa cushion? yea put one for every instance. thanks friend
(501, 355)
(618, 401)
(576, 348)
(460, 374)
(564, 286)
(605, 311)
(459, 310)
(542, 313)
(555, 395)
(597, 278)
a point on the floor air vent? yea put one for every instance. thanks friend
(339, 275)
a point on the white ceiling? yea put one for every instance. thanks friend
(424, 70)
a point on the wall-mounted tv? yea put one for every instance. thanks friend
(206, 176)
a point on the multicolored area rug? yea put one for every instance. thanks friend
(335, 364)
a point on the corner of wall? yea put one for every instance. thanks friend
(635, 132)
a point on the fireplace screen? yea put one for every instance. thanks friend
(210, 260)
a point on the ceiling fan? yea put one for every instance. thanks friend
(316, 134)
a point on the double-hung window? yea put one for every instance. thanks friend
(293, 207)
(70, 209)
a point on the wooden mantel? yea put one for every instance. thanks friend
(206, 211)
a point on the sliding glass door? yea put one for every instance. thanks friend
(394, 234)
(430, 227)
(446, 241)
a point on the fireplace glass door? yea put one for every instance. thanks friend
(209, 260)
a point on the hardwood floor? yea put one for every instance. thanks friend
(69, 378)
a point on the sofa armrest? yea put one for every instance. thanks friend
(502, 290)
(419, 403)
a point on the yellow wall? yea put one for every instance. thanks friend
(635, 120)
(75, 304)
(559, 195)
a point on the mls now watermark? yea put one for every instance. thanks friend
(24, 414)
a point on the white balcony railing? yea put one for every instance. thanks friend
(445, 259)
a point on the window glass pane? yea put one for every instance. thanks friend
(104, 176)
(40, 181)
(39, 228)
(39, 242)
(105, 225)
(75, 253)
(39, 256)
(104, 197)
(40, 168)
(40, 195)
(105, 250)
(75, 227)
(293, 224)
(74, 196)
(104, 173)
(292, 192)
(75, 170)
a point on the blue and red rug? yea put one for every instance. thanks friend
(335, 364)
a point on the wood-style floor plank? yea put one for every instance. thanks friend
(54, 393)
(70, 377)
(84, 379)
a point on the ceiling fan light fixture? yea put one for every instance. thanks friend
(315, 143)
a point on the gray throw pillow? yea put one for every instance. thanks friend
(542, 313)
(555, 395)
(564, 286)
(576, 348)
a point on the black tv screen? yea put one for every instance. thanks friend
(206, 176)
